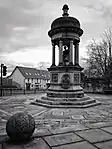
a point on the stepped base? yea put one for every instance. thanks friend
(83, 102)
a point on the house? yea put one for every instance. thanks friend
(9, 84)
(30, 78)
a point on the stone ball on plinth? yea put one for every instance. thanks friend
(20, 126)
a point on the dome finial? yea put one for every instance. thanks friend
(65, 10)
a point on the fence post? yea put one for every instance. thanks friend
(11, 92)
(3, 92)
(24, 91)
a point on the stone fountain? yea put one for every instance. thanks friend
(65, 78)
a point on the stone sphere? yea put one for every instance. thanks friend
(20, 126)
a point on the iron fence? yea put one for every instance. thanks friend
(11, 91)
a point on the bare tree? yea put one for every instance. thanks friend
(97, 59)
(99, 56)
(107, 38)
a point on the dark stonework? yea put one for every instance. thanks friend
(64, 68)
(65, 81)
(20, 126)
(60, 95)
(65, 55)
(76, 78)
(54, 77)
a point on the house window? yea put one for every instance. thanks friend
(28, 80)
(37, 80)
(32, 79)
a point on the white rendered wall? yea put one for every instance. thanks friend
(18, 77)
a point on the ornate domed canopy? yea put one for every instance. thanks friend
(65, 23)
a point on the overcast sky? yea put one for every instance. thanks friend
(24, 26)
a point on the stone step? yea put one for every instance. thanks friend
(66, 106)
(85, 102)
(63, 92)
(66, 99)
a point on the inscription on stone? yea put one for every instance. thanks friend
(55, 77)
(76, 78)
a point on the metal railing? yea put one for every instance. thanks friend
(13, 91)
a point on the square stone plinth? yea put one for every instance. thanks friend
(94, 135)
(62, 139)
(78, 145)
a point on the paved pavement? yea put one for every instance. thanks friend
(89, 128)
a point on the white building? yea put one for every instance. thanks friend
(30, 78)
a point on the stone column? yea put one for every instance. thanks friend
(71, 52)
(76, 54)
(60, 52)
(53, 54)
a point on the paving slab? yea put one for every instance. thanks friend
(36, 143)
(70, 122)
(41, 132)
(78, 145)
(62, 139)
(94, 117)
(61, 121)
(3, 131)
(3, 138)
(69, 128)
(77, 117)
(94, 135)
(11, 146)
(105, 145)
(108, 129)
(98, 124)
(89, 121)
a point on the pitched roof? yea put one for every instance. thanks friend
(33, 73)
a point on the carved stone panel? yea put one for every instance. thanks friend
(76, 78)
(55, 78)
(65, 81)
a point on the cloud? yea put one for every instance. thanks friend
(25, 24)
(102, 8)
(12, 14)
(32, 56)
(22, 25)
(43, 65)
